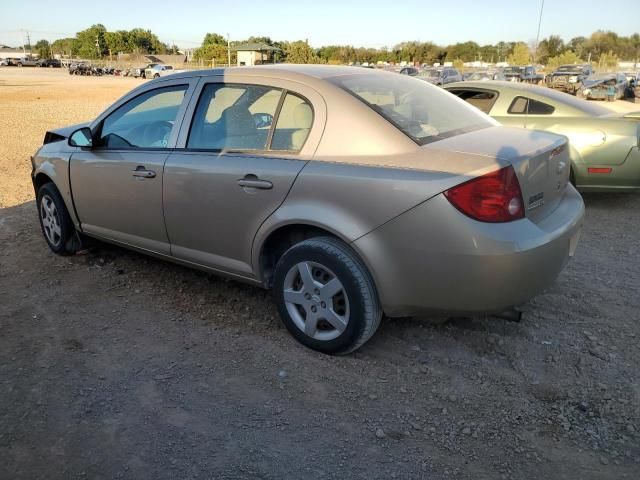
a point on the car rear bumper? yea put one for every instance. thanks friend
(435, 259)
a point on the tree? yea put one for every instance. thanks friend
(300, 52)
(117, 42)
(549, 47)
(568, 57)
(520, 54)
(42, 48)
(608, 60)
(63, 46)
(144, 41)
(90, 43)
(213, 54)
(214, 39)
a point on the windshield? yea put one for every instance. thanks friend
(480, 76)
(514, 69)
(430, 72)
(422, 111)
(569, 68)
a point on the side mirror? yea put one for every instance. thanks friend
(81, 138)
(263, 120)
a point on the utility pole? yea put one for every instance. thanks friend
(535, 53)
(98, 45)
(228, 51)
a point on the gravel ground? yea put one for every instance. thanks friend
(116, 365)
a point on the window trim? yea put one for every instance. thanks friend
(97, 130)
(526, 112)
(265, 151)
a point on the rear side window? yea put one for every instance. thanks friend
(293, 125)
(529, 106)
(234, 117)
(481, 99)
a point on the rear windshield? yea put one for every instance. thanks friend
(514, 69)
(422, 111)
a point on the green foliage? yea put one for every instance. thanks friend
(90, 43)
(42, 49)
(214, 39)
(63, 46)
(566, 58)
(608, 60)
(520, 54)
(300, 52)
(549, 47)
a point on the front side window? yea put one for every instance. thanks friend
(144, 122)
(234, 117)
(529, 106)
(422, 111)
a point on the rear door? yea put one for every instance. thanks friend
(117, 184)
(238, 158)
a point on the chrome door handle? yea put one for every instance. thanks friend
(143, 173)
(251, 181)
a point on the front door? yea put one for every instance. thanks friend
(240, 160)
(117, 184)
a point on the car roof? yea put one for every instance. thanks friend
(285, 71)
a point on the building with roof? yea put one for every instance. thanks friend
(14, 53)
(250, 54)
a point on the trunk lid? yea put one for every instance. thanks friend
(540, 159)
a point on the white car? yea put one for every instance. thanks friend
(160, 71)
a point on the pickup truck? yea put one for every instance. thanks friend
(25, 62)
(568, 78)
(524, 74)
(160, 70)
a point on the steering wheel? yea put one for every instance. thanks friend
(156, 134)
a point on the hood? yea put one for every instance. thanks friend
(64, 132)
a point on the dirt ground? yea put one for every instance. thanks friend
(116, 365)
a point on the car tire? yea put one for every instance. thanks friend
(328, 316)
(55, 222)
(157, 75)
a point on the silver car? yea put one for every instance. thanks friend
(351, 193)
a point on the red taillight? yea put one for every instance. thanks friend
(494, 197)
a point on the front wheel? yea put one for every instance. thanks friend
(157, 75)
(326, 296)
(56, 224)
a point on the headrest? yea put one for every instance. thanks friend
(302, 115)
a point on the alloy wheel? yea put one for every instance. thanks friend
(316, 300)
(50, 220)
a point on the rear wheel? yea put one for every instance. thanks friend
(156, 75)
(56, 224)
(326, 296)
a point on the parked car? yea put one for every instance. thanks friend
(412, 71)
(484, 75)
(159, 70)
(569, 78)
(50, 63)
(596, 86)
(426, 205)
(25, 62)
(524, 74)
(440, 76)
(603, 146)
(140, 72)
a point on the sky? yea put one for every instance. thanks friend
(371, 23)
